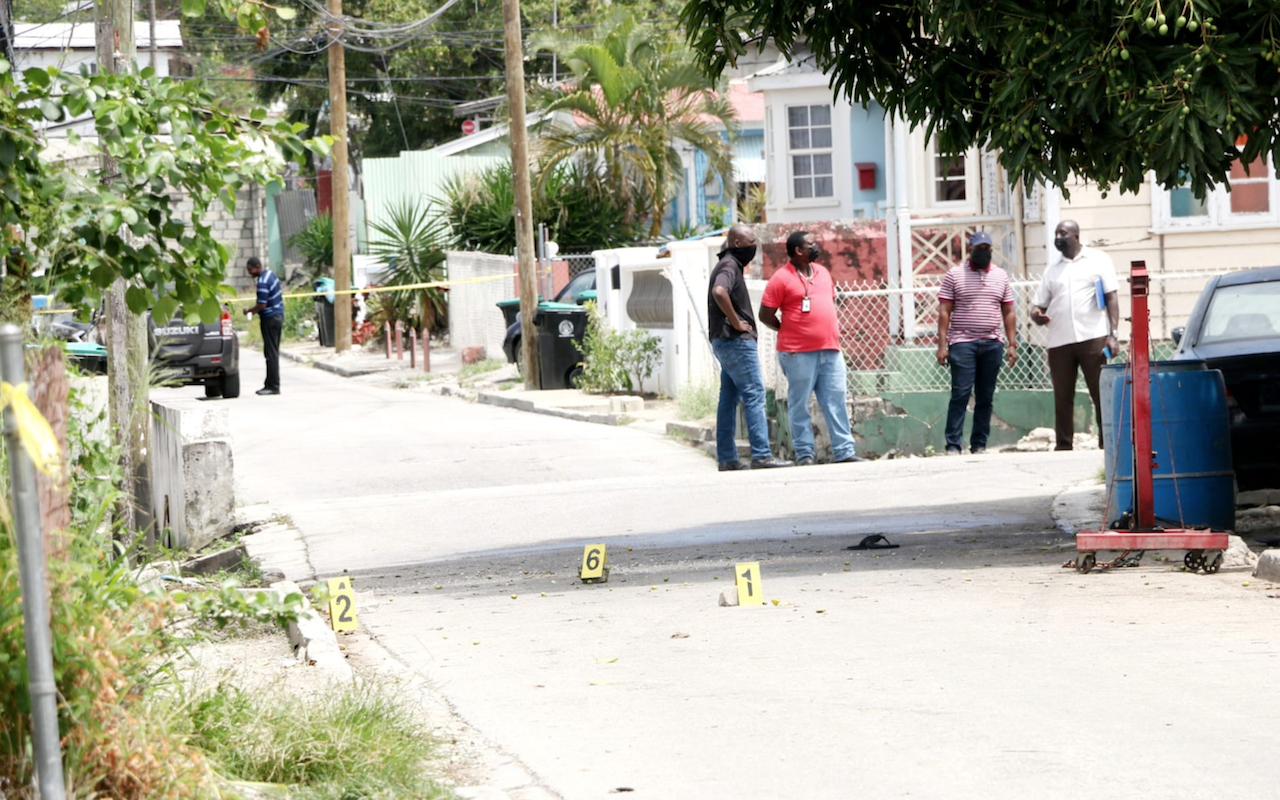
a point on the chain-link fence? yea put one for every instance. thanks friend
(890, 335)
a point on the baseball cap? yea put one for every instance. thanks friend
(980, 237)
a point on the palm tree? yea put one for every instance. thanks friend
(411, 240)
(635, 96)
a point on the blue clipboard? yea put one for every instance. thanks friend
(1101, 295)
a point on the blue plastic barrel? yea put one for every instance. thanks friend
(1194, 485)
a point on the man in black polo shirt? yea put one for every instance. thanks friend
(733, 340)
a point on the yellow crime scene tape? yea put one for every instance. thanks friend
(381, 289)
(33, 429)
(367, 290)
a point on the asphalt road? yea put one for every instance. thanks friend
(967, 663)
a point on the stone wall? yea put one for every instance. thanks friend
(245, 231)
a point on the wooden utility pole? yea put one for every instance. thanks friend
(127, 350)
(514, 41)
(338, 180)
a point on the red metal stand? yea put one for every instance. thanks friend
(1204, 547)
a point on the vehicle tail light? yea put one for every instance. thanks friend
(228, 330)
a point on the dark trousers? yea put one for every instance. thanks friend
(974, 369)
(271, 328)
(1063, 362)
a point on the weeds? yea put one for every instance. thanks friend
(472, 371)
(354, 741)
(698, 400)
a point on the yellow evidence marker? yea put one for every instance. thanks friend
(747, 578)
(342, 604)
(595, 564)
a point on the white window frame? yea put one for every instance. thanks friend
(924, 180)
(1218, 215)
(816, 199)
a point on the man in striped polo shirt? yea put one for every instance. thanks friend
(270, 311)
(973, 303)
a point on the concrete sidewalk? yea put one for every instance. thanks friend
(360, 361)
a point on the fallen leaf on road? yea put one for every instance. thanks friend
(613, 660)
(599, 683)
(822, 611)
(679, 636)
(775, 602)
(513, 597)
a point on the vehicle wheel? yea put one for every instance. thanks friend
(574, 375)
(231, 385)
(213, 387)
(517, 347)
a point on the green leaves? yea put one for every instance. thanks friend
(286, 14)
(1050, 87)
(193, 8)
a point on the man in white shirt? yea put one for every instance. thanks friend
(1076, 298)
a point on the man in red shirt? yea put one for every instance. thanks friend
(973, 303)
(809, 348)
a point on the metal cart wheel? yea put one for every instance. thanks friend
(1086, 563)
(1213, 565)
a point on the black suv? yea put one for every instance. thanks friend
(189, 354)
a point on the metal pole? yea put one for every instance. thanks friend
(35, 597)
(1143, 498)
(426, 350)
(413, 348)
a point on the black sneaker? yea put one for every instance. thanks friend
(730, 466)
(977, 451)
(265, 390)
(804, 461)
(953, 451)
(850, 460)
(770, 463)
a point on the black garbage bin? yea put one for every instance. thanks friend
(561, 327)
(324, 312)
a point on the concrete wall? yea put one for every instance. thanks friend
(192, 471)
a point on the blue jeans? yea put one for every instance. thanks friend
(974, 369)
(821, 373)
(740, 380)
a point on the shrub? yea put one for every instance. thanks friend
(581, 214)
(315, 241)
(613, 357)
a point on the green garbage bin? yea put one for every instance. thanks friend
(561, 328)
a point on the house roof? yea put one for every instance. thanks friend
(748, 106)
(81, 35)
(802, 62)
(464, 143)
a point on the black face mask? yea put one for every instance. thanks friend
(814, 252)
(1060, 243)
(743, 255)
(980, 258)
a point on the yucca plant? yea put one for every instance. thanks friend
(411, 239)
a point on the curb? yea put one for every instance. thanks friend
(520, 404)
(336, 369)
(316, 643)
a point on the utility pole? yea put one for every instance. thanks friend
(514, 41)
(151, 26)
(127, 350)
(341, 194)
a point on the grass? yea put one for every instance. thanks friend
(698, 400)
(472, 371)
(351, 742)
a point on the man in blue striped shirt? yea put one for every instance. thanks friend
(270, 310)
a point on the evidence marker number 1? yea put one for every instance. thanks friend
(342, 604)
(747, 578)
(595, 564)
